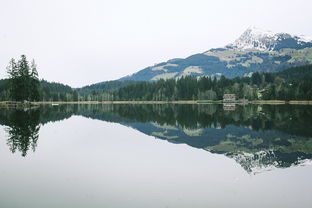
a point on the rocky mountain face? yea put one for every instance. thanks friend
(255, 50)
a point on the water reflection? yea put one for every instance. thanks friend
(257, 137)
(23, 129)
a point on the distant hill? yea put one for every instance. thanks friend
(254, 51)
(53, 91)
(104, 86)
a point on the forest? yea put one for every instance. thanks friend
(291, 84)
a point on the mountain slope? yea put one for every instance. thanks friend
(255, 50)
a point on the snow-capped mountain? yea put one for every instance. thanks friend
(264, 40)
(255, 50)
(254, 38)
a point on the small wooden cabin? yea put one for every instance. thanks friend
(229, 98)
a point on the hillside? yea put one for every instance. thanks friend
(291, 84)
(254, 51)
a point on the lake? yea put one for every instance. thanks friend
(156, 156)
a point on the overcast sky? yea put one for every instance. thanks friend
(83, 42)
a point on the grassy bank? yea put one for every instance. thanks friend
(8, 104)
(271, 102)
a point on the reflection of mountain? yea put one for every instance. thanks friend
(257, 137)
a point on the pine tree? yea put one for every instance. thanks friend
(12, 71)
(34, 82)
(23, 85)
(24, 82)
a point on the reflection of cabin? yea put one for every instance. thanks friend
(229, 106)
(229, 98)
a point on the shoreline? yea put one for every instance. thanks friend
(8, 104)
(257, 102)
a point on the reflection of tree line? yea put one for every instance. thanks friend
(276, 136)
(285, 118)
(23, 125)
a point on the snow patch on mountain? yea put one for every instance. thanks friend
(303, 38)
(162, 68)
(264, 40)
(165, 76)
(193, 132)
(255, 38)
(255, 50)
(257, 162)
(191, 70)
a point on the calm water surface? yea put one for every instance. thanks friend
(156, 156)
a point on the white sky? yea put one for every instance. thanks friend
(83, 42)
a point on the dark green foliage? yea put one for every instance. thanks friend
(104, 86)
(256, 78)
(23, 80)
(186, 88)
(52, 91)
(297, 73)
(23, 130)
(4, 89)
(291, 84)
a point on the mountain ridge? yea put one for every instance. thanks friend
(265, 40)
(255, 50)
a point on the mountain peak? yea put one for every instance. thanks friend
(251, 52)
(265, 40)
(255, 31)
(256, 38)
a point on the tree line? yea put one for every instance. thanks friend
(291, 84)
(23, 84)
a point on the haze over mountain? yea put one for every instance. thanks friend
(255, 50)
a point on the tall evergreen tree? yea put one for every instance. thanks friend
(24, 82)
(12, 71)
(34, 82)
